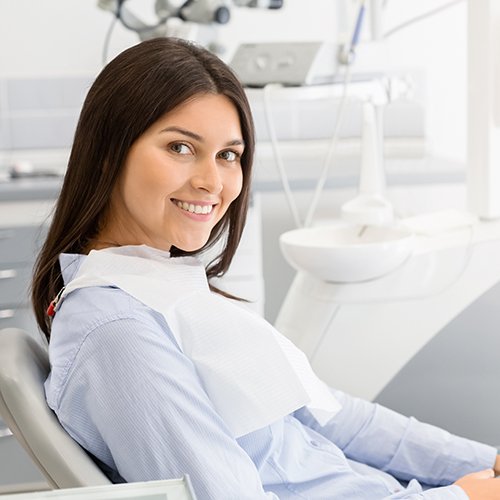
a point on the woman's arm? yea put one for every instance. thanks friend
(404, 447)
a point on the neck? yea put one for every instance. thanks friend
(100, 244)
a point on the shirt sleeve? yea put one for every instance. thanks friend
(143, 397)
(402, 446)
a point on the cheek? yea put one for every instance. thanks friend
(235, 186)
(147, 174)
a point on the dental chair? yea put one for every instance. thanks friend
(24, 366)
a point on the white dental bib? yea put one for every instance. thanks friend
(252, 374)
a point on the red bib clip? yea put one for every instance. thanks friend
(51, 310)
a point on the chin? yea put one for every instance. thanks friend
(191, 247)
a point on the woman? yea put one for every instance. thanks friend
(143, 354)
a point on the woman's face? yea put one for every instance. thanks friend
(179, 177)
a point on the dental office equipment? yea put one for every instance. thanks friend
(178, 17)
(380, 90)
(169, 489)
(370, 206)
(483, 109)
(23, 369)
(414, 339)
(345, 57)
(286, 63)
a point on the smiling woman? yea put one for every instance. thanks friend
(140, 114)
(155, 373)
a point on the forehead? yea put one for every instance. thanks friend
(202, 109)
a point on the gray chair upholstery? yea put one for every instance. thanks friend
(24, 366)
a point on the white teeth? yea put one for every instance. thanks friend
(195, 209)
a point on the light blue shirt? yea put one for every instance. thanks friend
(123, 389)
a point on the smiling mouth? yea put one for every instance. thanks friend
(194, 209)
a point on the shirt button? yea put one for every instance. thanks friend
(315, 444)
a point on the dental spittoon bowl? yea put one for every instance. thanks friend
(347, 254)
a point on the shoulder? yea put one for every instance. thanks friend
(92, 318)
(88, 308)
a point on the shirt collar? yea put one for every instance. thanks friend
(70, 263)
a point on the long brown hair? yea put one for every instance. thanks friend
(130, 94)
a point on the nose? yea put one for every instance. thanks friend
(207, 176)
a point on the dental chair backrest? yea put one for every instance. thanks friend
(24, 366)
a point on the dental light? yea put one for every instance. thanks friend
(206, 12)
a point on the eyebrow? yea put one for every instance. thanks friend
(197, 137)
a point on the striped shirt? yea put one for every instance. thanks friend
(123, 389)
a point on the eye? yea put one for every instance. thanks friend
(180, 148)
(229, 155)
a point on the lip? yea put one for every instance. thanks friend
(191, 202)
(195, 216)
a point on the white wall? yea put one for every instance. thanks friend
(52, 37)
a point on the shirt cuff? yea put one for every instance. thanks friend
(414, 492)
(470, 456)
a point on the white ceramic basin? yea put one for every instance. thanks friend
(346, 254)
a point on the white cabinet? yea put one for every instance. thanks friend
(22, 231)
